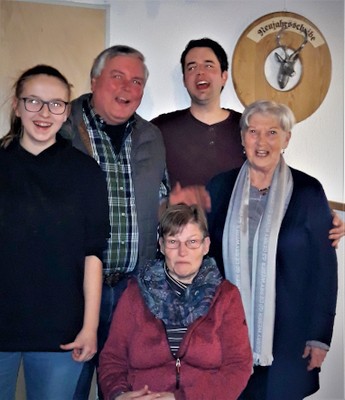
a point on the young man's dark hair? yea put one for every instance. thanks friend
(206, 42)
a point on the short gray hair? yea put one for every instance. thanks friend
(282, 112)
(114, 51)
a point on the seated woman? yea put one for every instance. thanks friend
(270, 223)
(179, 330)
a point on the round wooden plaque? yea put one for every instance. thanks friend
(255, 66)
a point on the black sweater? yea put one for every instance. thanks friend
(53, 213)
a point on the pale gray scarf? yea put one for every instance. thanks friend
(256, 278)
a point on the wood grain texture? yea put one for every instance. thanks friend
(63, 36)
(249, 58)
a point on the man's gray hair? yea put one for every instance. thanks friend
(111, 52)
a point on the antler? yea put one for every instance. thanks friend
(297, 51)
(305, 41)
(278, 39)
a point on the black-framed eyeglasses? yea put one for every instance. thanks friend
(190, 243)
(56, 107)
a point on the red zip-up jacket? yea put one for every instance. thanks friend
(215, 356)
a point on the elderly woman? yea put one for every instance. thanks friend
(269, 224)
(179, 330)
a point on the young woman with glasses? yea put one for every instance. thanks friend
(179, 330)
(53, 228)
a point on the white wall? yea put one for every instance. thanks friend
(162, 28)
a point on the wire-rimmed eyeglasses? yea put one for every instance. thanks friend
(190, 243)
(56, 107)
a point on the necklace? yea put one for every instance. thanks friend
(264, 191)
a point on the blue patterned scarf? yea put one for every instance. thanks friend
(176, 310)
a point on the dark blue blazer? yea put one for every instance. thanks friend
(306, 280)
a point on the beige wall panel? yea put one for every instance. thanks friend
(66, 37)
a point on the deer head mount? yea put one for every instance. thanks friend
(287, 62)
